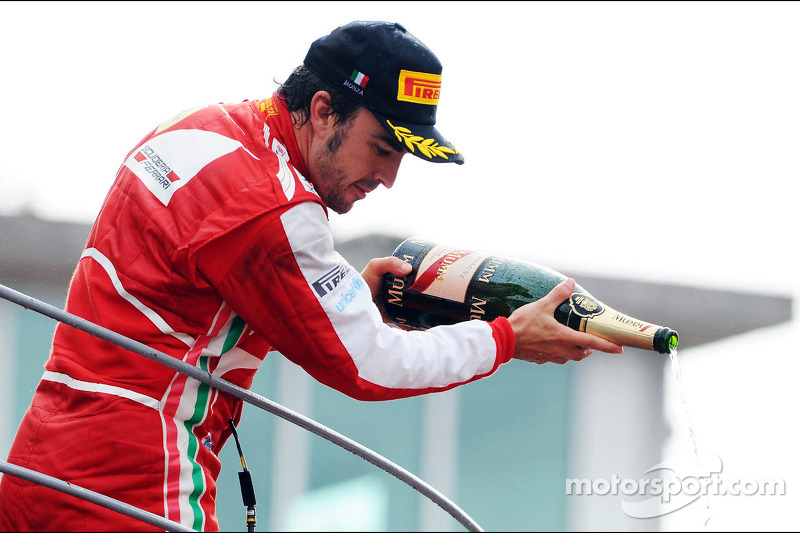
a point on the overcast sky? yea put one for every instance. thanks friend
(652, 140)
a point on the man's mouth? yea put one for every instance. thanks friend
(363, 190)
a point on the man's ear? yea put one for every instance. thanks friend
(321, 115)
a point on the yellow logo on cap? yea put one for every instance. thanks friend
(427, 147)
(419, 87)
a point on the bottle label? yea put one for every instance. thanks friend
(585, 306)
(446, 273)
(622, 329)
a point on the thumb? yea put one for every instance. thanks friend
(398, 266)
(560, 292)
(389, 265)
(376, 268)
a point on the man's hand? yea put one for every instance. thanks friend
(373, 275)
(540, 338)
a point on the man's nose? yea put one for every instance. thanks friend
(387, 175)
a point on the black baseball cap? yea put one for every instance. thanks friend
(391, 73)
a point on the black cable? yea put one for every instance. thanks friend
(246, 484)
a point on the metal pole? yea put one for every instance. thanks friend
(91, 496)
(250, 397)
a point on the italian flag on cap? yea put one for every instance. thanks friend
(359, 78)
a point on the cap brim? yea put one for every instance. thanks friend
(424, 142)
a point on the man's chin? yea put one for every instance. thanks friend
(340, 207)
(339, 203)
(340, 211)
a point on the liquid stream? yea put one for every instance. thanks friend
(676, 370)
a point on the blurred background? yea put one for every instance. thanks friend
(648, 149)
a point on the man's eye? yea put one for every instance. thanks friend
(381, 151)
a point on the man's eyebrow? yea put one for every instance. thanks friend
(391, 141)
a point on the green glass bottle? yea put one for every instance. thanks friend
(448, 285)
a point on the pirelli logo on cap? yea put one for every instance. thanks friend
(419, 87)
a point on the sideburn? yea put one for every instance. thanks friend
(335, 142)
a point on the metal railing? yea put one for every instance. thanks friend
(91, 496)
(248, 396)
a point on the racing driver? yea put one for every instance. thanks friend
(213, 246)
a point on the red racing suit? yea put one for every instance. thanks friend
(212, 247)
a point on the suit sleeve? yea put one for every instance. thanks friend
(281, 274)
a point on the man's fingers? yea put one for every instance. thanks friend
(386, 265)
(400, 267)
(560, 292)
(376, 268)
(572, 353)
(593, 342)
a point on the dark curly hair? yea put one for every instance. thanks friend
(301, 86)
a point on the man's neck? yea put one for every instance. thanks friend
(302, 134)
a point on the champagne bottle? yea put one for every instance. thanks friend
(448, 285)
